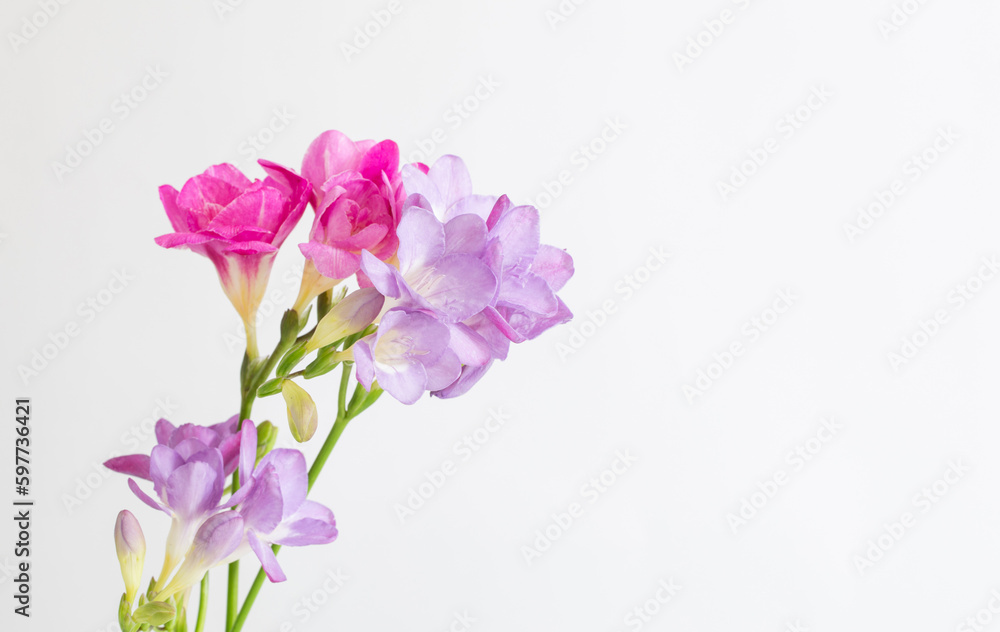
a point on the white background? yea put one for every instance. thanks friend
(582, 392)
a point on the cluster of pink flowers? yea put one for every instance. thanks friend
(459, 275)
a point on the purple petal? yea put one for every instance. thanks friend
(218, 537)
(144, 497)
(470, 375)
(406, 381)
(443, 372)
(465, 234)
(313, 523)
(266, 556)
(421, 239)
(330, 261)
(530, 293)
(469, 346)
(451, 177)
(518, 232)
(163, 431)
(290, 466)
(457, 286)
(478, 205)
(363, 362)
(136, 465)
(248, 450)
(383, 277)
(502, 205)
(193, 490)
(554, 265)
(416, 182)
(162, 463)
(261, 508)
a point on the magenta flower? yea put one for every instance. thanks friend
(221, 435)
(357, 192)
(239, 225)
(276, 510)
(409, 354)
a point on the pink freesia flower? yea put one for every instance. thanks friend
(223, 436)
(357, 193)
(239, 225)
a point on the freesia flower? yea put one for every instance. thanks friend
(223, 436)
(239, 225)
(216, 542)
(444, 222)
(130, 545)
(409, 354)
(188, 480)
(356, 193)
(276, 510)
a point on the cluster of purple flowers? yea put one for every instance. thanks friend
(188, 468)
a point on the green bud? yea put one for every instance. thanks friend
(130, 545)
(292, 358)
(352, 314)
(270, 387)
(326, 361)
(155, 613)
(290, 325)
(303, 418)
(267, 435)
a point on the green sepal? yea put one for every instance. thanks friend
(323, 364)
(292, 358)
(270, 387)
(155, 613)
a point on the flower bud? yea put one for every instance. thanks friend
(302, 415)
(131, 548)
(267, 436)
(355, 312)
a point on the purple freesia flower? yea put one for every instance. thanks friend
(238, 224)
(188, 480)
(409, 354)
(216, 542)
(448, 237)
(276, 510)
(221, 435)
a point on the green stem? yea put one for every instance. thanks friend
(324, 453)
(202, 605)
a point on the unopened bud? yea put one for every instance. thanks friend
(131, 548)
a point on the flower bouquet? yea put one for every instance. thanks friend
(445, 280)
